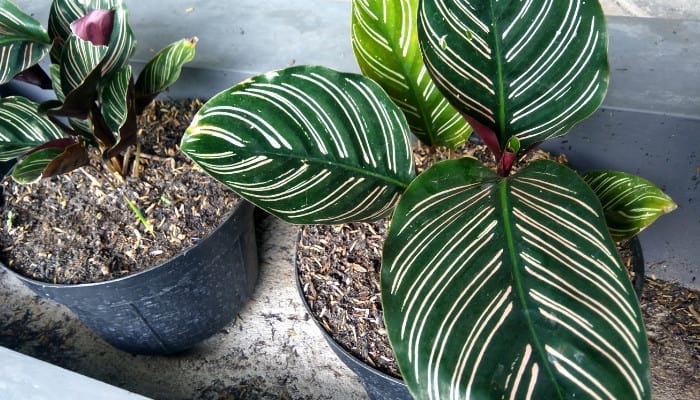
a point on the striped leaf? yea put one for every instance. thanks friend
(80, 58)
(51, 159)
(307, 144)
(23, 41)
(630, 203)
(385, 42)
(64, 12)
(510, 288)
(122, 43)
(22, 128)
(530, 69)
(113, 98)
(163, 70)
(29, 169)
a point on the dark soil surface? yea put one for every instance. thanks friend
(339, 273)
(77, 227)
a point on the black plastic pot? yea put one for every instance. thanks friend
(170, 307)
(380, 386)
(377, 384)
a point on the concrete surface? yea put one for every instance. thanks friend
(50, 382)
(271, 351)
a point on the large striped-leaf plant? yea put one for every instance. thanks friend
(494, 284)
(90, 43)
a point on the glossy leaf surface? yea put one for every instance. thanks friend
(23, 41)
(530, 69)
(53, 158)
(114, 99)
(22, 128)
(164, 69)
(64, 12)
(28, 170)
(630, 203)
(509, 288)
(385, 42)
(308, 144)
(80, 58)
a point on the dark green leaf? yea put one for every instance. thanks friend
(65, 12)
(29, 169)
(385, 41)
(22, 128)
(510, 288)
(631, 203)
(113, 98)
(128, 131)
(530, 69)
(80, 59)
(163, 70)
(23, 41)
(308, 144)
(122, 42)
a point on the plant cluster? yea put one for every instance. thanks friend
(98, 98)
(493, 283)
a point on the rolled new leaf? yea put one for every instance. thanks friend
(163, 70)
(630, 203)
(308, 144)
(530, 69)
(23, 128)
(385, 42)
(63, 13)
(23, 41)
(509, 288)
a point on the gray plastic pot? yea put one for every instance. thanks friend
(172, 306)
(381, 386)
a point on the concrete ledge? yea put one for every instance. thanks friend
(26, 378)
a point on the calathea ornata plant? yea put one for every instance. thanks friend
(494, 284)
(97, 97)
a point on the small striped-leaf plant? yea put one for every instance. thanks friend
(97, 101)
(494, 284)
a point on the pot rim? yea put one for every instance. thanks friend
(241, 206)
(325, 333)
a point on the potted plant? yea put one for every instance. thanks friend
(170, 305)
(494, 283)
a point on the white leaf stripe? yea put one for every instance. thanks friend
(453, 307)
(480, 63)
(384, 38)
(307, 144)
(79, 60)
(535, 269)
(582, 329)
(634, 198)
(23, 128)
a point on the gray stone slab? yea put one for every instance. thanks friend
(26, 378)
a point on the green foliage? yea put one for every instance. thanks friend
(631, 203)
(385, 42)
(307, 144)
(494, 285)
(90, 43)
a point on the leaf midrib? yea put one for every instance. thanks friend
(499, 81)
(511, 248)
(335, 165)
